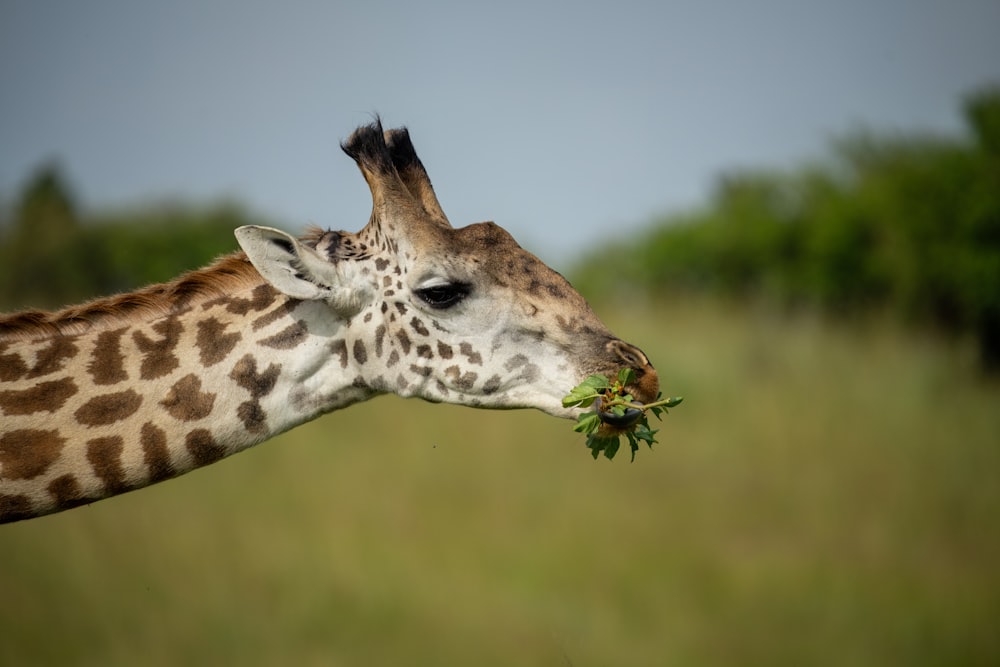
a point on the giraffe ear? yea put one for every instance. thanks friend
(299, 271)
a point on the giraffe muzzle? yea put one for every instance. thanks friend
(644, 388)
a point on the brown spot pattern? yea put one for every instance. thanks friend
(12, 366)
(572, 324)
(186, 401)
(444, 350)
(252, 415)
(516, 361)
(474, 357)
(289, 337)
(379, 339)
(155, 454)
(108, 408)
(45, 396)
(424, 351)
(261, 297)
(66, 491)
(14, 508)
(159, 358)
(339, 347)
(203, 447)
(419, 327)
(528, 371)
(107, 363)
(105, 457)
(281, 311)
(422, 371)
(492, 384)
(360, 353)
(259, 385)
(463, 381)
(27, 453)
(213, 344)
(404, 341)
(51, 359)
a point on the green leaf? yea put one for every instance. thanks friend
(644, 433)
(633, 444)
(587, 423)
(626, 376)
(596, 382)
(599, 444)
(585, 393)
(578, 398)
(611, 448)
(595, 444)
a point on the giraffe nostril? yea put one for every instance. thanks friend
(629, 354)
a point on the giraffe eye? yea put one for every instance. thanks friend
(444, 296)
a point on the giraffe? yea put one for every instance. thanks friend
(126, 391)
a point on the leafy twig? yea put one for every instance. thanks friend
(614, 406)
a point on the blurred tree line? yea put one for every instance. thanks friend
(53, 254)
(908, 223)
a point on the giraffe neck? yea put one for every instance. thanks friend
(135, 400)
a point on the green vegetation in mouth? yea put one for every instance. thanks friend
(615, 413)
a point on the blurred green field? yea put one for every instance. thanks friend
(826, 495)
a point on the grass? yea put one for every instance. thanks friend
(826, 495)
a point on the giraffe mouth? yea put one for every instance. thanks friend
(622, 421)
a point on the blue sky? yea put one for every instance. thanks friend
(566, 122)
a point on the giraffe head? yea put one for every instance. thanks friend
(458, 315)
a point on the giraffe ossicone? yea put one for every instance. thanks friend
(126, 391)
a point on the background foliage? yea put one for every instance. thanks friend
(54, 254)
(905, 223)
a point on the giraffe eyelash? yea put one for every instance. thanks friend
(445, 295)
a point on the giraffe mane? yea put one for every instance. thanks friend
(228, 273)
(312, 235)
